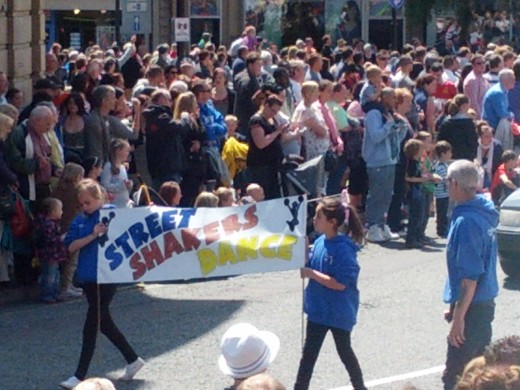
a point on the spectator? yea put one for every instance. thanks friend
(15, 97)
(315, 64)
(171, 193)
(496, 110)
(459, 130)
(65, 191)
(246, 351)
(489, 153)
(50, 249)
(246, 85)
(262, 381)
(100, 127)
(29, 155)
(475, 85)
(383, 134)
(223, 97)
(265, 147)
(206, 199)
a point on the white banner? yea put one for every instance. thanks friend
(160, 243)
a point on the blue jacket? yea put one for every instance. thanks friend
(213, 122)
(472, 250)
(381, 142)
(337, 258)
(82, 226)
(496, 105)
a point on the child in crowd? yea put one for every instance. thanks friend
(234, 152)
(371, 91)
(256, 192)
(415, 196)
(171, 193)
(226, 197)
(505, 179)
(332, 297)
(443, 153)
(428, 186)
(83, 237)
(92, 167)
(206, 199)
(114, 176)
(50, 249)
(65, 191)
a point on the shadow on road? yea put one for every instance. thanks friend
(154, 326)
(512, 283)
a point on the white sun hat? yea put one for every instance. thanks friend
(247, 351)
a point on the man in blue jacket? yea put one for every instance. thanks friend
(384, 131)
(472, 270)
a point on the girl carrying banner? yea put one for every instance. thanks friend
(331, 297)
(83, 235)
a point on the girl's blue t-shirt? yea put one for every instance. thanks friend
(337, 258)
(82, 226)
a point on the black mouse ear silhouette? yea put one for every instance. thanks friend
(286, 202)
(300, 198)
(112, 215)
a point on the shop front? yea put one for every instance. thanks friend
(284, 21)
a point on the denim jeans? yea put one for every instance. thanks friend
(313, 341)
(380, 190)
(477, 331)
(428, 198)
(49, 281)
(103, 323)
(416, 210)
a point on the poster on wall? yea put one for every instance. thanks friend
(344, 20)
(204, 8)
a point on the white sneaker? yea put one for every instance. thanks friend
(387, 233)
(77, 289)
(132, 369)
(376, 234)
(70, 383)
(71, 292)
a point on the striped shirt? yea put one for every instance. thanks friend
(441, 190)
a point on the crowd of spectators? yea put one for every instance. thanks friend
(220, 118)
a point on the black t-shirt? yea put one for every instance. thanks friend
(270, 155)
(413, 169)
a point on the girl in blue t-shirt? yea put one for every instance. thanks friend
(331, 296)
(83, 236)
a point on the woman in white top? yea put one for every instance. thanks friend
(308, 115)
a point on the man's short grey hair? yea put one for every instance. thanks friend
(99, 93)
(40, 112)
(505, 74)
(465, 173)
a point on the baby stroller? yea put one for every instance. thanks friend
(146, 196)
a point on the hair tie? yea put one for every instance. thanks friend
(345, 201)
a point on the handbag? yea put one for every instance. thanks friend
(20, 221)
(7, 202)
